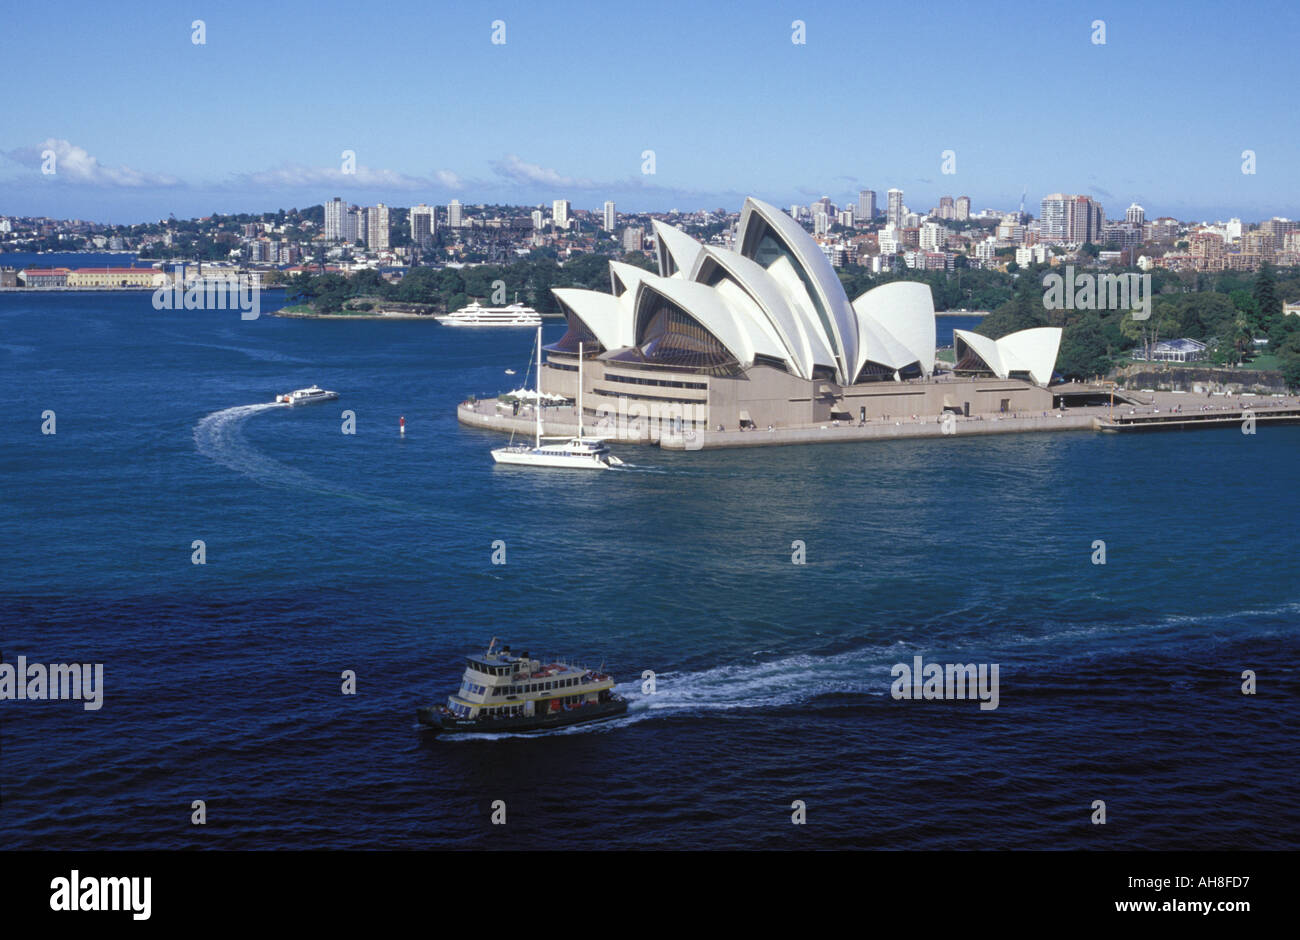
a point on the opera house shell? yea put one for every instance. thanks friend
(762, 334)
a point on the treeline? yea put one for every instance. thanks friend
(1227, 311)
(447, 289)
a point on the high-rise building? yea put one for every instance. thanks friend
(560, 212)
(946, 209)
(1135, 214)
(377, 228)
(351, 225)
(611, 217)
(335, 211)
(453, 214)
(1087, 220)
(821, 222)
(894, 208)
(539, 219)
(962, 209)
(424, 222)
(845, 217)
(934, 237)
(633, 238)
(866, 205)
(1071, 218)
(1054, 216)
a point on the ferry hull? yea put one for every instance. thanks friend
(433, 721)
(508, 323)
(315, 400)
(530, 459)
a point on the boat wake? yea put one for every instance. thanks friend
(798, 679)
(220, 437)
(791, 680)
(639, 468)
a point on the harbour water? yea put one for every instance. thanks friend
(370, 552)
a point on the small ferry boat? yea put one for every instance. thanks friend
(516, 314)
(306, 396)
(502, 692)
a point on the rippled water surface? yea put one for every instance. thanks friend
(328, 552)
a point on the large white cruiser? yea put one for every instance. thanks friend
(503, 692)
(572, 453)
(516, 314)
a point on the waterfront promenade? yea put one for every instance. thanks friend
(1167, 409)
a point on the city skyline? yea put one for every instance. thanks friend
(534, 119)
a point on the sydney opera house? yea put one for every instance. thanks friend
(763, 334)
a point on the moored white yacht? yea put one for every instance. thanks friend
(568, 452)
(475, 314)
(306, 396)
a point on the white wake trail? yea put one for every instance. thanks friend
(220, 437)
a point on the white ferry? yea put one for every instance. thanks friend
(504, 692)
(516, 314)
(306, 396)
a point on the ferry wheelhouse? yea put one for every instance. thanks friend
(501, 691)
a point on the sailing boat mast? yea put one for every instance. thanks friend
(579, 389)
(537, 403)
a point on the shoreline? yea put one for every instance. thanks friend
(298, 315)
(1161, 415)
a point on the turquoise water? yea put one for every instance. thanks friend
(369, 552)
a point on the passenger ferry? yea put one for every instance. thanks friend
(516, 314)
(503, 692)
(306, 396)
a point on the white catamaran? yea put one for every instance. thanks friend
(576, 453)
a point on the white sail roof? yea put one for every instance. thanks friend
(1032, 351)
(838, 321)
(604, 314)
(775, 296)
(676, 249)
(736, 330)
(896, 326)
(626, 275)
(802, 350)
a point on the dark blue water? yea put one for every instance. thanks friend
(944, 324)
(328, 552)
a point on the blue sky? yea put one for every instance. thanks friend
(145, 123)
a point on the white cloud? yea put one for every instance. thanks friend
(517, 170)
(449, 179)
(296, 175)
(75, 164)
